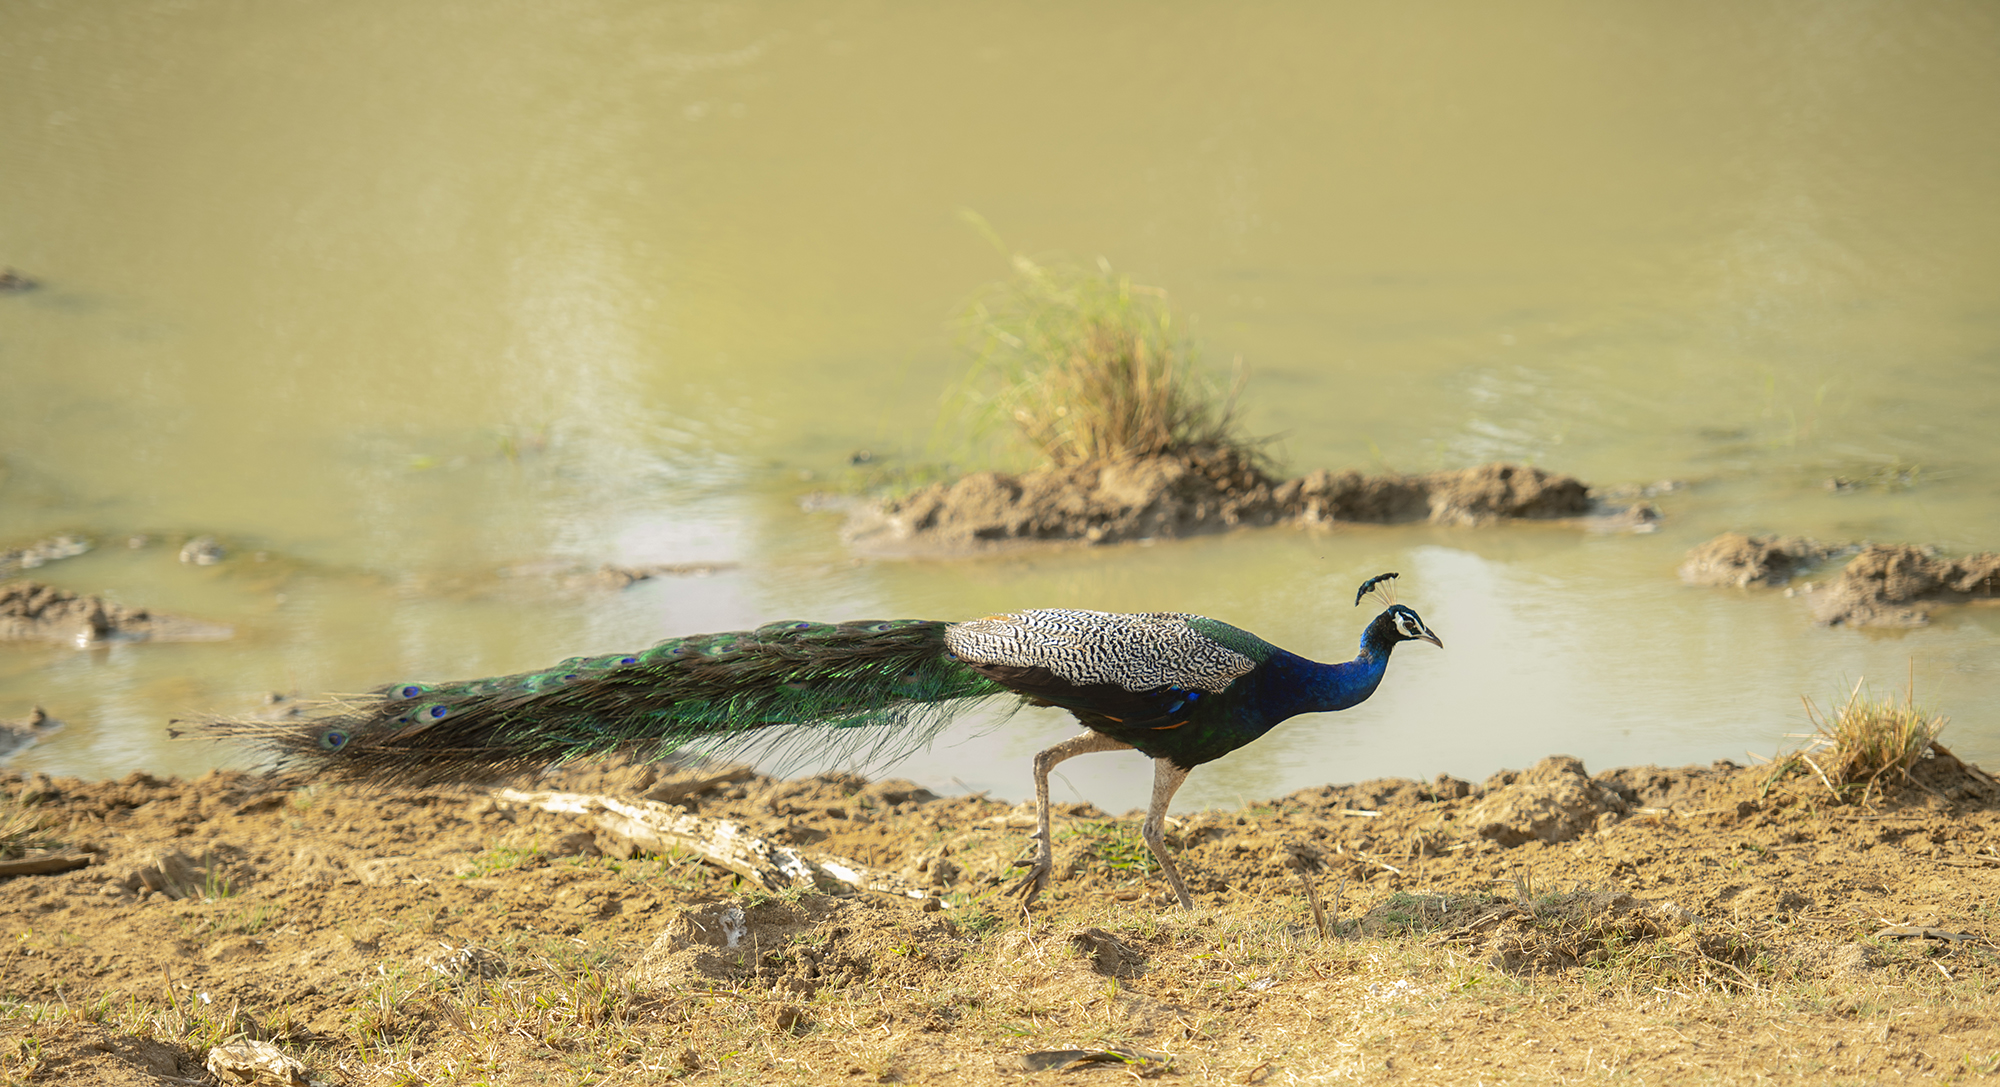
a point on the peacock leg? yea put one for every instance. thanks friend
(1038, 869)
(1167, 780)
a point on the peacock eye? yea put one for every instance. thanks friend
(436, 712)
(628, 660)
(333, 739)
(411, 690)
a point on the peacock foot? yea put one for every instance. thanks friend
(1031, 885)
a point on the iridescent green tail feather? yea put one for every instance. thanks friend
(708, 694)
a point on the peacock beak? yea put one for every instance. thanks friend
(1431, 638)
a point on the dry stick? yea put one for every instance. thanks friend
(1821, 773)
(660, 828)
(1732, 967)
(1312, 898)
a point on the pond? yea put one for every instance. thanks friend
(421, 308)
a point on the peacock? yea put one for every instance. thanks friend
(1182, 689)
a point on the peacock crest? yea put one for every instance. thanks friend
(1382, 587)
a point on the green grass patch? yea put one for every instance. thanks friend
(1117, 846)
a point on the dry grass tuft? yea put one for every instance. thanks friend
(1865, 739)
(1089, 367)
(21, 828)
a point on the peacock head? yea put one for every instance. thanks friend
(1399, 624)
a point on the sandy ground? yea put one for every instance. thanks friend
(1720, 923)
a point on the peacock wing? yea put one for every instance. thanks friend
(1150, 652)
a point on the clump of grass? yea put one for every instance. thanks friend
(1864, 739)
(1088, 366)
(21, 828)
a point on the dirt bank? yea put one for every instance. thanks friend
(1881, 585)
(1198, 492)
(1715, 922)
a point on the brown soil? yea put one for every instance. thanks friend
(1721, 923)
(1201, 491)
(1882, 585)
(33, 612)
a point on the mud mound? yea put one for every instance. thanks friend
(33, 612)
(1733, 560)
(1197, 492)
(1555, 801)
(1901, 585)
(1882, 585)
(1499, 491)
(1203, 490)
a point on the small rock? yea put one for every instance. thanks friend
(250, 1061)
(203, 551)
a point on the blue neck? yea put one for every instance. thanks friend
(1306, 686)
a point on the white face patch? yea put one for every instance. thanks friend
(1403, 626)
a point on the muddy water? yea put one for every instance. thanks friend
(399, 297)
